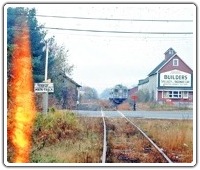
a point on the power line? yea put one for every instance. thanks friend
(123, 32)
(116, 19)
(116, 32)
(127, 32)
(128, 36)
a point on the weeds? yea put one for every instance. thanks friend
(127, 145)
(164, 106)
(63, 137)
(174, 136)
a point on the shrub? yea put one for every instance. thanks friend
(52, 127)
(143, 95)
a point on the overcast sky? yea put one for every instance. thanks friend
(104, 59)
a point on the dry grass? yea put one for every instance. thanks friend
(127, 145)
(69, 139)
(124, 106)
(148, 106)
(152, 106)
(65, 138)
(71, 151)
(174, 136)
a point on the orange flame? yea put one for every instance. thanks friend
(21, 108)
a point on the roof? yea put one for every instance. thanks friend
(154, 71)
(133, 90)
(170, 49)
(169, 57)
(72, 81)
(143, 81)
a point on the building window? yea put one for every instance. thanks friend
(172, 94)
(165, 94)
(185, 95)
(175, 62)
(171, 51)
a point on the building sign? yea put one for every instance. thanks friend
(175, 78)
(43, 87)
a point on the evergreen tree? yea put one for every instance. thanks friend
(58, 65)
(37, 35)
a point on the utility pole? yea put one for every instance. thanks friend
(45, 95)
(46, 62)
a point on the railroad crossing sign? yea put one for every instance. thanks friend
(43, 87)
(134, 97)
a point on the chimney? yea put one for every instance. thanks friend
(169, 53)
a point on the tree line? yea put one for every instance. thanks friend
(58, 64)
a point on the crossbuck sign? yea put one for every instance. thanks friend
(43, 87)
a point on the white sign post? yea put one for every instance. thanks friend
(46, 86)
(45, 95)
(43, 87)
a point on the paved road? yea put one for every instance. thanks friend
(140, 114)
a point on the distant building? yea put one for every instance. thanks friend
(70, 93)
(170, 81)
(133, 91)
(143, 83)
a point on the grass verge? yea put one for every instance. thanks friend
(62, 137)
(65, 138)
(174, 136)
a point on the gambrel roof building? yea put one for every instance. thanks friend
(171, 80)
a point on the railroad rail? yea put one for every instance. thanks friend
(104, 139)
(145, 135)
(123, 156)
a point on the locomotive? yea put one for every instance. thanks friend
(118, 94)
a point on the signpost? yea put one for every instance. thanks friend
(46, 86)
(134, 98)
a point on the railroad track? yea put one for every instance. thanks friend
(125, 142)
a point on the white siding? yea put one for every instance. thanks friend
(152, 86)
(143, 86)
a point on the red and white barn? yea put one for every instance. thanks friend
(170, 81)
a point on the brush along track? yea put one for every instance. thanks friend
(124, 142)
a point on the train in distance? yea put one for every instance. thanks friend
(118, 94)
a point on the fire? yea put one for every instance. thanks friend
(21, 106)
